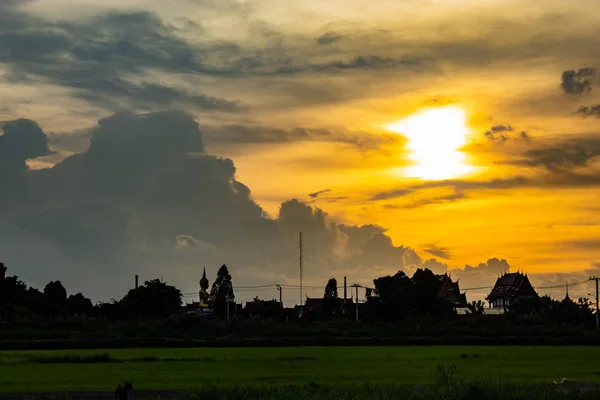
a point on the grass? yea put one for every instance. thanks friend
(473, 391)
(197, 369)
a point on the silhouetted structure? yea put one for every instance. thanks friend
(203, 293)
(2, 271)
(450, 291)
(508, 287)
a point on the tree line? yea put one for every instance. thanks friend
(395, 298)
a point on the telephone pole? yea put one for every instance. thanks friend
(356, 286)
(280, 294)
(597, 315)
(301, 271)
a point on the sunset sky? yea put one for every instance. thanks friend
(459, 135)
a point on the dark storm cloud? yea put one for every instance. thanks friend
(21, 140)
(84, 231)
(577, 82)
(99, 57)
(589, 111)
(145, 198)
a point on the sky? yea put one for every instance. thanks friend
(156, 138)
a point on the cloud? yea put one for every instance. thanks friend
(492, 266)
(21, 140)
(586, 244)
(145, 198)
(561, 155)
(246, 134)
(328, 38)
(589, 111)
(100, 58)
(494, 130)
(459, 186)
(435, 266)
(447, 198)
(320, 192)
(578, 82)
(189, 243)
(441, 252)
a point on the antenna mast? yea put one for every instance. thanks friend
(301, 272)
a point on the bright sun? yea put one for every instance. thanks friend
(435, 136)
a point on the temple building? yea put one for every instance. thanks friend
(450, 291)
(508, 287)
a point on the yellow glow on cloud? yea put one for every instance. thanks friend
(435, 136)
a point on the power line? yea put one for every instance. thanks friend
(563, 285)
(255, 287)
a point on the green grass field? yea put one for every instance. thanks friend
(46, 371)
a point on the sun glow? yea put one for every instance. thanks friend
(435, 137)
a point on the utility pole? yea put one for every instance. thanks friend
(280, 294)
(597, 315)
(356, 286)
(301, 271)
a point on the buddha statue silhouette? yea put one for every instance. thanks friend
(203, 292)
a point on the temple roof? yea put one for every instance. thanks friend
(509, 286)
(450, 290)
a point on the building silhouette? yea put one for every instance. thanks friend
(508, 287)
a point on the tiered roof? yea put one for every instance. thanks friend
(450, 290)
(510, 286)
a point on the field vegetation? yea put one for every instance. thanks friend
(228, 368)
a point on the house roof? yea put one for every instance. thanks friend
(509, 286)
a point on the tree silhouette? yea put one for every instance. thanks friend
(154, 299)
(79, 304)
(55, 298)
(476, 308)
(392, 292)
(331, 292)
(221, 292)
(56, 293)
(330, 299)
(2, 271)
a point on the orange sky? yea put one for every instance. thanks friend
(325, 90)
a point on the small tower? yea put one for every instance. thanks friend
(203, 292)
(2, 271)
(567, 298)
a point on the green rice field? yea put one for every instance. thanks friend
(200, 368)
